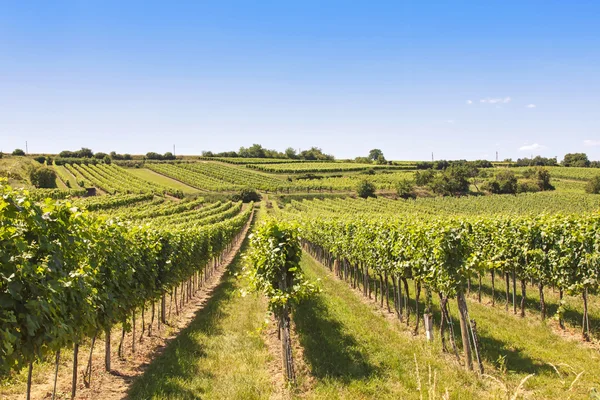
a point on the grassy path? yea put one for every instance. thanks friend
(220, 355)
(151, 176)
(354, 353)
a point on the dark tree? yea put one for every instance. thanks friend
(43, 177)
(375, 154)
(18, 152)
(366, 189)
(576, 160)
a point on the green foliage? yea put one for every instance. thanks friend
(83, 153)
(541, 176)
(365, 188)
(363, 160)
(593, 186)
(452, 181)
(43, 177)
(423, 178)
(273, 265)
(18, 152)
(247, 195)
(107, 160)
(375, 154)
(576, 160)
(405, 189)
(527, 186)
(65, 275)
(40, 159)
(156, 156)
(504, 182)
(536, 161)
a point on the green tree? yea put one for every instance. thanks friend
(363, 160)
(423, 178)
(43, 177)
(504, 182)
(366, 189)
(18, 152)
(576, 160)
(291, 153)
(375, 154)
(405, 189)
(247, 195)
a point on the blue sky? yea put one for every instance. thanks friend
(345, 76)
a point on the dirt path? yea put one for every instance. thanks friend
(115, 384)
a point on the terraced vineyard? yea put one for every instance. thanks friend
(113, 179)
(314, 167)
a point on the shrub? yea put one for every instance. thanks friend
(247, 195)
(528, 186)
(405, 189)
(18, 152)
(504, 182)
(423, 178)
(43, 177)
(541, 176)
(40, 159)
(366, 189)
(593, 186)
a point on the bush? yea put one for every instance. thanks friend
(247, 195)
(40, 159)
(505, 182)
(366, 189)
(107, 159)
(593, 186)
(18, 152)
(43, 177)
(528, 186)
(405, 189)
(423, 178)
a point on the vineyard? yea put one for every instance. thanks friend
(476, 296)
(297, 168)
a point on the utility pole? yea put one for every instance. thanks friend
(432, 156)
(173, 149)
(496, 156)
(26, 149)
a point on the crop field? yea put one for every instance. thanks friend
(299, 168)
(148, 290)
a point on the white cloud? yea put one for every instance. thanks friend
(529, 147)
(591, 143)
(469, 102)
(450, 121)
(530, 106)
(496, 100)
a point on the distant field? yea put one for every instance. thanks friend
(299, 168)
(151, 176)
(242, 161)
(64, 175)
(582, 174)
